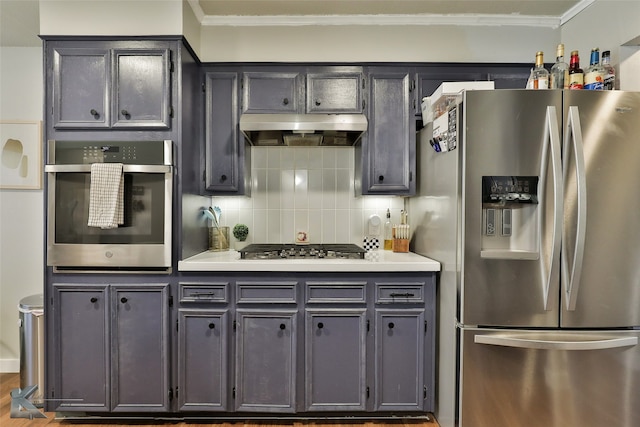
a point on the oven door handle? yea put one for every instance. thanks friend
(125, 168)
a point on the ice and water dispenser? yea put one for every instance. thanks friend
(510, 226)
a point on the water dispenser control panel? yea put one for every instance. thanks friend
(509, 189)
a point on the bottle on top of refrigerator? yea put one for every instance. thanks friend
(388, 238)
(594, 76)
(540, 74)
(576, 75)
(559, 75)
(609, 79)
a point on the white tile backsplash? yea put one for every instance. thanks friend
(304, 189)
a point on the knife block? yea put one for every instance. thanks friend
(400, 245)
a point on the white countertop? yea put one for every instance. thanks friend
(386, 261)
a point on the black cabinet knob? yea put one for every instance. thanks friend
(318, 102)
(320, 325)
(94, 299)
(123, 300)
(391, 325)
(212, 325)
(223, 177)
(93, 112)
(282, 326)
(125, 113)
(285, 101)
(381, 178)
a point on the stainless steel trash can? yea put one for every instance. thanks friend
(31, 323)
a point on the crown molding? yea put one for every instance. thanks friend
(575, 10)
(373, 20)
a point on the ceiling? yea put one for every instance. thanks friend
(20, 22)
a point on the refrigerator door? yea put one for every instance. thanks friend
(530, 378)
(510, 275)
(601, 246)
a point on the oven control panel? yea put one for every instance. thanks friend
(126, 152)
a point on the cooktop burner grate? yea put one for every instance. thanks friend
(311, 251)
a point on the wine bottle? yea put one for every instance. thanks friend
(576, 74)
(559, 75)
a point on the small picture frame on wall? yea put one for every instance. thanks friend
(21, 155)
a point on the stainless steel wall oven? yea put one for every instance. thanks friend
(142, 239)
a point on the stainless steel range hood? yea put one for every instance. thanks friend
(303, 129)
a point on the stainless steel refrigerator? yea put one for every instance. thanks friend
(534, 213)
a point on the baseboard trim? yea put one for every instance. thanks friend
(9, 366)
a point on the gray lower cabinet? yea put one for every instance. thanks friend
(335, 353)
(113, 347)
(202, 359)
(266, 360)
(399, 359)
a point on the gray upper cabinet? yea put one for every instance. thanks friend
(226, 157)
(334, 92)
(387, 162)
(272, 92)
(141, 88)
(111, 88)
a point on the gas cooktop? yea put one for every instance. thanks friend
(311, 251)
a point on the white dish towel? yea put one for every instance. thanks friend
(106, 195)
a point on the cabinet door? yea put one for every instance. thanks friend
(81, 87)
(81, 348)
(140, 348)
(399, 359)
(388, 147)
(224, 145)
(141, 88)
(334, 93)
(266, 361)
(202, 360)
(272, 92)
(335, 360)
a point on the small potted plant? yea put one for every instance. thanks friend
(240, 232)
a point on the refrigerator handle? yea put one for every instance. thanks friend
(573, 134)
(597, 343)
(551, 150)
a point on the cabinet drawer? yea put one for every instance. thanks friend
(204, 292)
(407, 293)
(266, 292)
(336, 292)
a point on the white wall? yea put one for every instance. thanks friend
(608, 25)
(21, 211)
(376, 43)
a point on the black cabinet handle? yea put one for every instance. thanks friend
(125, 113)
(123, 300)
(282, 326)
(318, 102)
(285, 101)
(94, 112)
(212, 325)
(94, 299)
(391, 325)
(381, 178)
(320, 325)
(223, 177)
(406, 294)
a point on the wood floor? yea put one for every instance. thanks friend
(9, 382)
